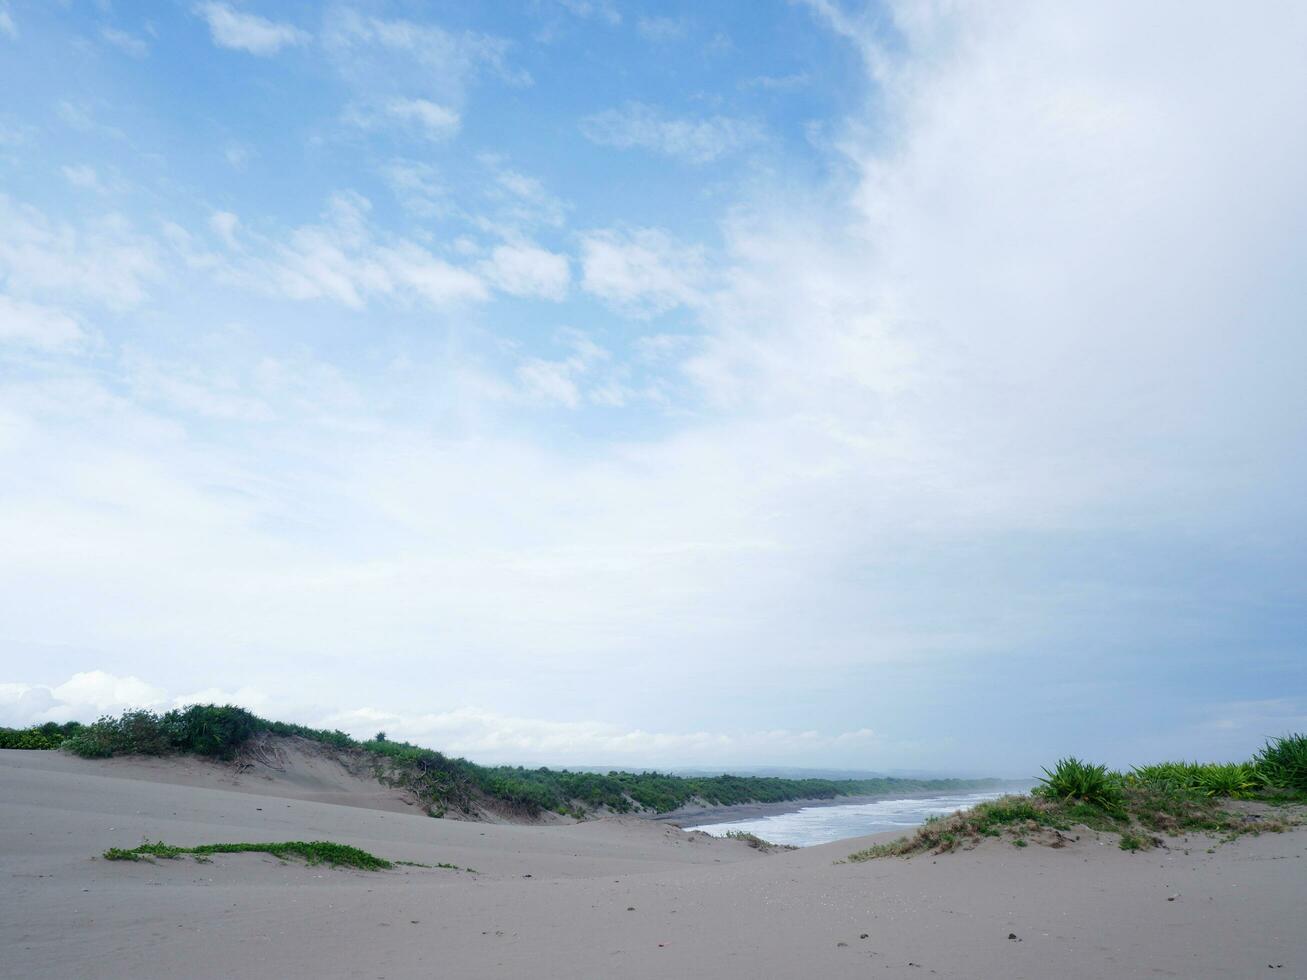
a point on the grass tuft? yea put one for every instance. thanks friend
(756, 842)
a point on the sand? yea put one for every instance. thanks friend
(629, 897)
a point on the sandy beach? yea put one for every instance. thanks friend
(625, 897)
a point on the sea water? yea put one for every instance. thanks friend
(823, 824)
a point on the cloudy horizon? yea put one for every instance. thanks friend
(826, 384)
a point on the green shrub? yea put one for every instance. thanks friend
(1072, 779)
(138, 732)
(50, 735)
(207, 729)
(1282, 763)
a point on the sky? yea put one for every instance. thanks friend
(660, 384)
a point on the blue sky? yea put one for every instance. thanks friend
(804, 383)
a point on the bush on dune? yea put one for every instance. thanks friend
(51, 735)
(1166, 797)
(1282, 763)
(443, 782)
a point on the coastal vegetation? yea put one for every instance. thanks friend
(756, 842)
(48, 736)
(443, 783)
(314, 852)
(1166, 798)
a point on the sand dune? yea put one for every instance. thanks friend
(627, 897)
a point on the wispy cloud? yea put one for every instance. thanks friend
(127, 43)
(603, 10)
(103, 261)
(644, 271)
(32, 325)
(525, 269)
(240, 31)
(344, 260)
(421, 117)
(82, 176)
(694, 140)
(8, 28)
(663, 29)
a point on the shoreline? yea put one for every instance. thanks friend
(688, 818)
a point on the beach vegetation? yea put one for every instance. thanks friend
(1282, 763)
(1073, 780)
(443, 783)
(313, 852)
(50, 735)
(756, 842)
(1165, 798)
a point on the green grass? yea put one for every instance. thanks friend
(314, 852)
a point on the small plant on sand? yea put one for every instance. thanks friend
(1130, 842)
(756, 842)
(314, 852)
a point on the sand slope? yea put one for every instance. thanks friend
(626, 898)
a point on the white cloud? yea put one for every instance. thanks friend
(83, 177)
(521, 199)
(605, 10)
(418, 187)
(83, 697)
(239, 31)
(224, 225)
(643, 271)
(779, 83)
(238, 155)
(485, 736)
(662, 29)
(7, 26)
(251, 698)
(392, 62)
(343, 259)
(127, 43)
(562, 381)
(104, 261)
(999, 388)
(422, 118)
(524, 269)
(81, 116)
(37, 326)
(491, 736)
(697, 141)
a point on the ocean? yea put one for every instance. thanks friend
(823, 824)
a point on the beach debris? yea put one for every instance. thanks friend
(863, 935)
(1013, 937)
(841, 944)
